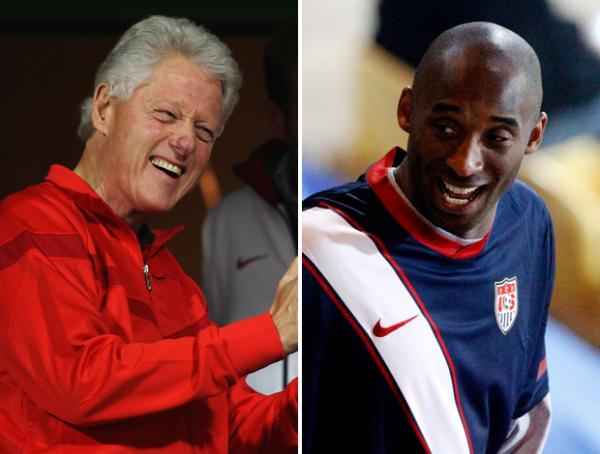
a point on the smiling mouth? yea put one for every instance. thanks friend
(170, 169)
(458, 195)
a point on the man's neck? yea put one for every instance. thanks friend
(90, 169)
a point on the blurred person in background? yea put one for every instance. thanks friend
(106, 344)
(250, 238)
(426, 283)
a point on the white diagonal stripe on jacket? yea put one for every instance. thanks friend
(371, 290)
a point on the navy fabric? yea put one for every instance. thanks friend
(496, 373)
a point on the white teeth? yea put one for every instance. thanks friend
(166, 165)
(453, 201)
(459, 190)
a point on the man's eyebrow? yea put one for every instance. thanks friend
(510, 121)
(445, 107)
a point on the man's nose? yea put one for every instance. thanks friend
(467, 159)
(182, 140)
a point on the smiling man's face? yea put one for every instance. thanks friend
(156, 144)
(468, 134)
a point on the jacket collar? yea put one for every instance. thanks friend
(82, 193)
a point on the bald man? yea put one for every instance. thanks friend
(427, 282)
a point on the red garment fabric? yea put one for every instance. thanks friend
(91, 360)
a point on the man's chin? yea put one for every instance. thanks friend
(156, 206)
(461, 225)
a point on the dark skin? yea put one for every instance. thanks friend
(472, 116)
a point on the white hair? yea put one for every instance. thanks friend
(149, 42)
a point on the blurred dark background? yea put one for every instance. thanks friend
(49, 54)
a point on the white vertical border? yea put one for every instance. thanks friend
(299, 224)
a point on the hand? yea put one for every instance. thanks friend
(284, 310)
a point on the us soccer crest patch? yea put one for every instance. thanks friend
(506, 303)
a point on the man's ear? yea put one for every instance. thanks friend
(102, 105)
(276, 119)
(405, 109)
(535, 137)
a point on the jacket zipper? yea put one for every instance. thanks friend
(147, 277)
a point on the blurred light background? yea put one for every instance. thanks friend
(357, 56)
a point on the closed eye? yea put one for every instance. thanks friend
(165, 115)
(205, 134)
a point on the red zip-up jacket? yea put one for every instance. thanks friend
(105, 346)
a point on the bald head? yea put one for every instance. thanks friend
(484, 52)
(472, 114)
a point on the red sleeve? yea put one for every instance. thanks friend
(55, 342)
(263, 424)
